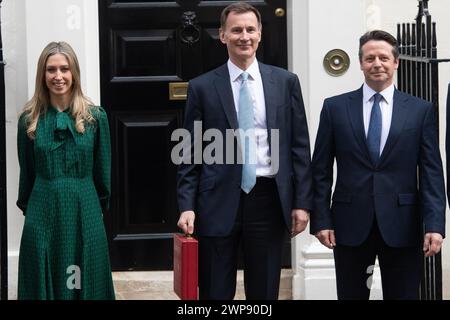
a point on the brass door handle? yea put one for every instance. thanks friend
(280, 12)
(178, 90)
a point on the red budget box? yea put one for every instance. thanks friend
(185, 267)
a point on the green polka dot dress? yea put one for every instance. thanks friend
(64, 188)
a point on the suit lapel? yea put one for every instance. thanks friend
(270, 96)
(399, 116)
(355, 112)
(223, 87)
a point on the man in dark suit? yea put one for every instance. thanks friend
(389, 198)
(254, 203)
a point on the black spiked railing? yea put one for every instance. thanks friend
(3, 234)
(418, 75)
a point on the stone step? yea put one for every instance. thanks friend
(158, 285)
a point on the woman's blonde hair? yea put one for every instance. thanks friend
(79, 105)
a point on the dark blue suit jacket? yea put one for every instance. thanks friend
(447, 142)
(405, 190)
(213, 191)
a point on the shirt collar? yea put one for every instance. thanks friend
(388, 93)
(235, 71)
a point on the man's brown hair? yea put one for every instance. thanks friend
(239, 8)
(378, 35)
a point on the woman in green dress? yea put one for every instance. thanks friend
(65, 173)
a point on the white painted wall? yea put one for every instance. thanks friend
(14, 45)
(73, 21)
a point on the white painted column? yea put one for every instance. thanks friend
(14, 45)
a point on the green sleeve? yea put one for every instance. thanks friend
(25, 149)
(102, 159)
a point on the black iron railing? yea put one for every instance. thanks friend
(418, 75)
(3, 234)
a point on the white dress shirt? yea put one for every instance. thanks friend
(263, 167)
(386, 106)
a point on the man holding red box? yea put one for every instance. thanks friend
(254, 202)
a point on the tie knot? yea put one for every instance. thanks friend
(244, 76)
(377, 98)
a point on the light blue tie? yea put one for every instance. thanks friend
(246, 123)
(374, 133)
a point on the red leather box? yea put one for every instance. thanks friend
(185, 267)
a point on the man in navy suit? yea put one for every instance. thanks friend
(229, 202)
(389, 198)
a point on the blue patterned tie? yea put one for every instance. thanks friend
(246, 123)
(374, 133)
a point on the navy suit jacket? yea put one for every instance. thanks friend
(404, 190)
(447, 142)
(213, 191)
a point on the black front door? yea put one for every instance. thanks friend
(149, 50)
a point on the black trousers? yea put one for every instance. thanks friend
(261, 231)
(401, 269)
